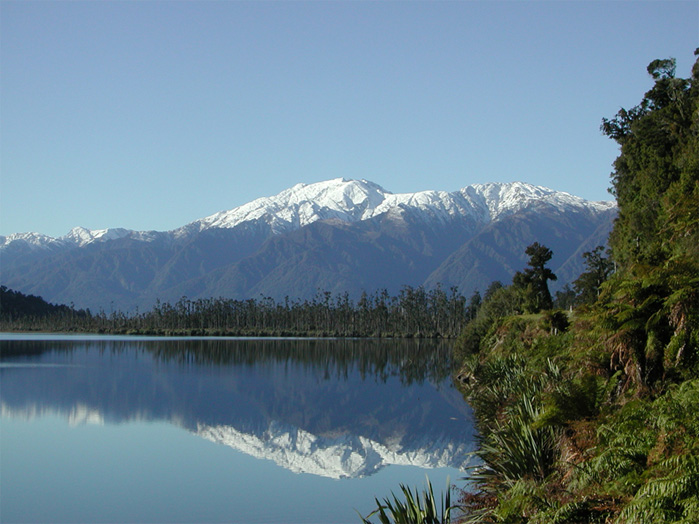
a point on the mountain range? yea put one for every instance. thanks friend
(339, 236)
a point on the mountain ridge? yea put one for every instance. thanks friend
(294, 206)
(339, 235)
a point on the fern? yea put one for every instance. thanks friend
(674, 497)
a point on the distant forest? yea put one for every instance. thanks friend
(15, 306)
(414, 312)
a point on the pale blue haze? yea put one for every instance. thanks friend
(148, 115)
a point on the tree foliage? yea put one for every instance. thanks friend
(598, 269)
(534, 279)
(652, 308)
(414, 312)
(16, 306)
(656, 176)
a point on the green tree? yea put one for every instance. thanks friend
(534, 279)
(652, 309)
(474, 304)
(587, 286)
(619, 389)
(655, 178)
(565, 298)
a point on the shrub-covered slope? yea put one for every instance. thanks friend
(591, 415)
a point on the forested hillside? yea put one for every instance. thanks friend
(590, 415)
(16, 307)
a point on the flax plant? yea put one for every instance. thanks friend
(415, 509)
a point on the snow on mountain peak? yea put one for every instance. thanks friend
(77, 237)
(356, 200)
(344, 456)
(347, 201)
(501, 199)
(34, 240)
(82, 236)
(302, 204)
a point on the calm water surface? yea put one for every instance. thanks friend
(117, 429)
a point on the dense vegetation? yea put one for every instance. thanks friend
(590, 415)
(415, 312)
(16, 306)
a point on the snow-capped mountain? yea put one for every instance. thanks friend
(346, 456)
(346, 201)
(76, 237)
(347, 230)
(356, 200)
(309, 406)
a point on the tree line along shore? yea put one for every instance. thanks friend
(413, 312)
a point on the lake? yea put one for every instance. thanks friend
(137, 429)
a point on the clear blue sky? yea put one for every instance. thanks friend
(148, 115)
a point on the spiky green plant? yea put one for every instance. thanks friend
(415, 509)
(504, 380)
(516, 449)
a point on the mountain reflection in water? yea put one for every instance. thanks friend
(335, 408)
